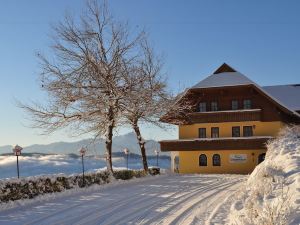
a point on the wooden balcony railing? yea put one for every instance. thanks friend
(225, 116)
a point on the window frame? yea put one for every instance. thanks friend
(214, 106)
(247, 106)
(211, 132)
(245, 129)
(237, 104)
(214, 158)
(200, 107)
(232, 133)
(199, 132)
(200, 164)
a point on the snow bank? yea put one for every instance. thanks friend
(272, 193)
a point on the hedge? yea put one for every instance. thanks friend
(27, 188)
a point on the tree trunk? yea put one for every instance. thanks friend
(142, 145)
(108, 141)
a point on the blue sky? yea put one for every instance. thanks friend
(259, 38)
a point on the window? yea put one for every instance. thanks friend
(202, 160)
(236, 132)
(214, 106)
(216, 160)
(247, 104)
(202, 107)
(261, 157)
(234, 104)
(215, 132)
(202, 132)
(247, 131)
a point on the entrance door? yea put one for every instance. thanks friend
(261, 157)
(176, 164)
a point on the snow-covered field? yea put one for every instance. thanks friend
(67, 164)
(165, 199)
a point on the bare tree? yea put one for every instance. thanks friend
(86, 80)
(149, 98)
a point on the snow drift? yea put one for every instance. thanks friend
(272, 193)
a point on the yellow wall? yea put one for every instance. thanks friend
(225, 129)
(189, 161)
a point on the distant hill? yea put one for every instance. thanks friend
(96, 148)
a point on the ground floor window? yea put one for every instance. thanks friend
(216, 160)
(202, 160)
(261, 157)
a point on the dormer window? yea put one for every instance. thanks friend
(214, 106)
(247, 104)
(234, 105)
(202, 107)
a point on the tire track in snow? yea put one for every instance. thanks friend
(174, 199)
(71, 213)
(68, 213)
(221, 209)
(185, 216)
(131, 215)
(143, 201)
(178, 206)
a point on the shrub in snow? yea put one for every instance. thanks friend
(128, 174)
(271, 194)
(27, 188)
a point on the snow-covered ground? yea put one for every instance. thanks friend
(67, 164)
(164, 199)
(271, 195)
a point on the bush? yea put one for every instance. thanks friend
(28, 188)
(129, 174)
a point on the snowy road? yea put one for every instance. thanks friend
(166, 199)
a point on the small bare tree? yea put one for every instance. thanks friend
(86, 80)
(149, 98)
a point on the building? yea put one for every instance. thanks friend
(225, 121)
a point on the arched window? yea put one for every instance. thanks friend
(261, 157)
(202, 160)
(216, 160)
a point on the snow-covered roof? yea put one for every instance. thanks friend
(286, 95)
(224, 79)
(289, 95)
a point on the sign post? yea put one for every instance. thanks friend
(17, 151)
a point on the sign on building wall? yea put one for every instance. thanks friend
(237, 158)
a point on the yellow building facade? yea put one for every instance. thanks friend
(189, 160)
(224, 124)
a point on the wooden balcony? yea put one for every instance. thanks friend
(225, 116)
(228, 143)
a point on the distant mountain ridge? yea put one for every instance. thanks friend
(96, 147)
